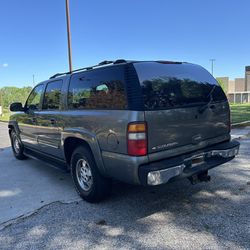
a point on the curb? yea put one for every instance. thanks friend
(240, 124)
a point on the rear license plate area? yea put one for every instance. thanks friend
(196, 161)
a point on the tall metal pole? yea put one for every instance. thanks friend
(69, 35)
(1, 103)
(212, 66)
(33, 79)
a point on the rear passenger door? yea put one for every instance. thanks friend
(97, 103)
(49, 120)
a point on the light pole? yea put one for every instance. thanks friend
(212, 66)
(69, 35)
(1, 103)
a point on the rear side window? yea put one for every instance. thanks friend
(176, 85)
(52, 96)
(97, 89)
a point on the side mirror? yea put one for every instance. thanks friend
(16, 106)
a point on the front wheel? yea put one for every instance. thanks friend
(17, 146)
(88, 182)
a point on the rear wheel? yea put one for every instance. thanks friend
(17, 146)
(88, 182)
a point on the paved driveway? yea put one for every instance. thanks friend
(214, 215)
(27, 185)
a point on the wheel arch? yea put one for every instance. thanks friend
(72, 140)
(13, 126)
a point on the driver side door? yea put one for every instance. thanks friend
(28, 121)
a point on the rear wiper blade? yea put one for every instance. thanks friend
(205, 106)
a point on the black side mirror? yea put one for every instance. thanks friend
(16, 106)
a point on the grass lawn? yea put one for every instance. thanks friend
(239, 113)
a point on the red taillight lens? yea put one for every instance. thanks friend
(137, 139)
(137, 148)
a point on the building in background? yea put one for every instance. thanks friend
(231, 87)
(240, 84)
(237, 90)
(247, 77)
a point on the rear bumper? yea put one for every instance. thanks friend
(163, 171)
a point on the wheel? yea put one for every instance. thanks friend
(88, 182)
(17, 146)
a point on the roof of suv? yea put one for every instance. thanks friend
(108, 64)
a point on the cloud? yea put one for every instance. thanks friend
(5, 65)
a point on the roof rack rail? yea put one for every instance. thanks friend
(90, 67)
(120, 61)
(56, 75)
(105, 62)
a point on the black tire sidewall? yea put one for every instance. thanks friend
(19, 155)
(77, 156)
(99, 186)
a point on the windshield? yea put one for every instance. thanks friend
(172, 85)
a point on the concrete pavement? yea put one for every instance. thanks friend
(214, 215)
(30, 184)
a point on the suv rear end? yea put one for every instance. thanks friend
(139, 122)
(185, 128)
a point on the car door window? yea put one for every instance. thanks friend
(52, 96)
(33, 101)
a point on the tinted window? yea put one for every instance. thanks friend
(34, 98)
(173, 85)
(52, 96)
(99, 89)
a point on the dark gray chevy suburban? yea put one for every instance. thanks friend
(140, 122)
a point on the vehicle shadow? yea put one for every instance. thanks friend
(177, 215)
(27, 185)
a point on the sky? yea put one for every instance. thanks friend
(33, 38)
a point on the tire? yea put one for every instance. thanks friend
(17, 146)
(88, 182)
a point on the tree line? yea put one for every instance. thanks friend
(9, 95)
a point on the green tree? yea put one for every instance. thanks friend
(9, 95)
(222, 84)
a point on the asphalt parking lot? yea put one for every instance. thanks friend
(39, 209)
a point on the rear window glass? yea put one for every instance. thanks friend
(175, 85)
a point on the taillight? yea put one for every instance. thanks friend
(137, 139)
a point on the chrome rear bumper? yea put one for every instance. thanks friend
(164, 175)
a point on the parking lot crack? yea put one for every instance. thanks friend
(26, 216)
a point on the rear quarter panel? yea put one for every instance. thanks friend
(108, 126)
